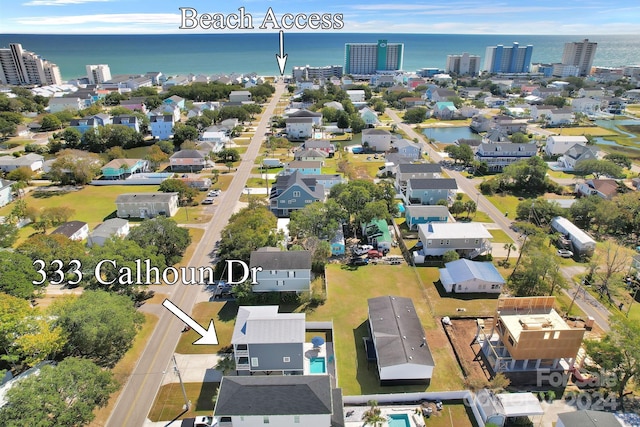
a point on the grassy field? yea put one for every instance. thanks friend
(499, 236)
(124, 367)
(223, 314)
(505, 203)
(580, 131)
(170, 400)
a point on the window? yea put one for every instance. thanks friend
(296, 194)
(556, 335)
(511, 340)
(280, 283)
(254, 362)
(265, 420)
(286, 359)
(292, 274)
(547, 335)
(296, 419)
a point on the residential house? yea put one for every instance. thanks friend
(440, 95)
(466, 276)
(92, 122)
(187, 160)
(560, 116)
(499, 155)
(494, 102)
(265, 341)
(32, 160)
(585, 105)
(406, 148)
(635, 182)
(581, 243)
(613, 105)
(134, 104)
(604, 188)
(335, 105)
(175, 100)
(290, 400)
(527, 340)
(444, 110)
(468, 111)
(429, 191)
(496, 408)
(316, 117)
(310, 156)
(546, 92)
(588, 418)
(338, 246)
(402, 354)
(240, 96)
(299, 127)
(509, 124)
(407, 171)
(496, 134)
(323, 145)
(74, 230)
(129, 121)
(473, 143)
(377, 234)
(305, 168)
(216, 134)
(470, 92)
(282, 271)
(575, 155)
(480, 123)
(411, 102)
(376, 139)
(469, 239)
(161, 126)
(6, 192)
(146, 205)
(58, 104)
(590, 92)
(293, 192)
(357, 96)
(423, 214)
(369, 116)
(172, 109)
(539, 113)
(114, 227)
(558, 144)
(122, 168)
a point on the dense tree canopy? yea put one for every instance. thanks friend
(597, 168)
(317, 219)
(415, 115)
(60, 396)
(17, 274)
(164, 235)
(75, 167)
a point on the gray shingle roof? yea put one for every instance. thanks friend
(433, 184)
(109, 227)
(419, 168)
(188, 154)
(275, 395)
(69, 228)
(145, 197)
(397, 332)
(275, 259)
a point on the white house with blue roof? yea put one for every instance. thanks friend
(466, 276)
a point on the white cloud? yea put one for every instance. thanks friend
(115, 18)
(60, 2)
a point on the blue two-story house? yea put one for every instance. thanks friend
(267, 341)
(429, 191)
(92, 122)
(294, 191)
(161, 126)
(282, 271)
(421, 214)
(129, 121)
(304, 167)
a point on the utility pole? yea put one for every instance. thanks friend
(187, 402)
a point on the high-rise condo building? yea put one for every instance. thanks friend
(501, 59)
(463, 64)
(580, 54)
(98, 73)
(369, 58)
(21, 67)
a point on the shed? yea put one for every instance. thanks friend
(402, 352)
(582, 243)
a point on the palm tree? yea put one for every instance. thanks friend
(373, 415)
(509, 247)
(226, 365)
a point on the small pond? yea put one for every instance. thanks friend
(447, 135)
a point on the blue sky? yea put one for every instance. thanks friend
(580, 17)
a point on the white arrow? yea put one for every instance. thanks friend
(208, 335)
(282, 58)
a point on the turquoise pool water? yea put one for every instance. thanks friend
(318, 365)
(399, 420)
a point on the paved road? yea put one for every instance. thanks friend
(139, 392)
(584, 300)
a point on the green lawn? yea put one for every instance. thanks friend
(499, 236)
(170, 400)
(223, 315)
(346, 305)
(580, 131)
(505, 203)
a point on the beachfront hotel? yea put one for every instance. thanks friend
(463, 64)
(514, 59)
(580, 54)
(98, 74)
(370, 58)
(21, 67)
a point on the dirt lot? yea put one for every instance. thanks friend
(461, 334)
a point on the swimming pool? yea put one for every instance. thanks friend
(318, 365)
(399, 420)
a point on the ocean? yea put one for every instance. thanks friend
(250, 52)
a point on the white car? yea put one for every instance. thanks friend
(362, 249)
(208, 201)
(214, 193)
(564, 253)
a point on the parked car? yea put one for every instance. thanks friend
(362, 249)
(214, 193)
(359, 261)
(208, 201)
(374, 254)
(565, 253)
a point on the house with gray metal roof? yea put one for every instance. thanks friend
(400, 343)
(296, 190)
(280, 401)
(588, 418)
(32, 160)
(282, 271)
(114, 227)
(407, 170)
(146, 205)
(465, 276)
(267, 341)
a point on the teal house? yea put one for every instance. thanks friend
(421, 214)
(122, 168)
(338, 243)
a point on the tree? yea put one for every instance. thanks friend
(60, 396)
(618, 353)
(166, 146)
(7, 128)
(343, 120)
(75, 166)
(529, 174)
(156, 155)
(23, 173)
(72, 137)
(597, 168)
(52, 247)
(226, 364)
(538, 211)
(415, 115)
(457, 208)
(116, 152)
(317, 219)
(182, 133)
(619, 159)
(57, 215)
(50, 122)
(373, 415)
(450, 256)
(556, 101)
(101, 325)
(8, 235)
(470, 207)
(17, 275)
(164, 234)
(228, 155)
(614, 259)
(186, 194)
(509, 247)
(519, 138)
